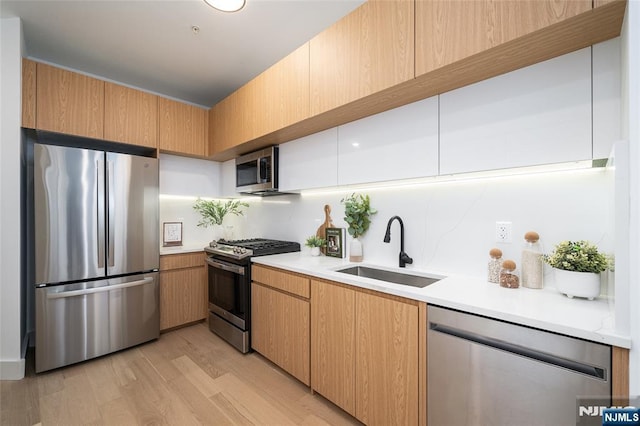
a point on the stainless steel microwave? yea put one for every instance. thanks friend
(257, 172)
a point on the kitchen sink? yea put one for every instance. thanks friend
(390, 276)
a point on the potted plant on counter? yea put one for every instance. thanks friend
(213, 212)
(357, 210)
(315, 243)
(577, 266)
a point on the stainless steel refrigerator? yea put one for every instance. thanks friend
(95, 252)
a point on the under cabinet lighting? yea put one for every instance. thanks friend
(226, 5)
(586, 166)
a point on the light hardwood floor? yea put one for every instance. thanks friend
(188, 376)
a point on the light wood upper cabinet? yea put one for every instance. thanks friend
(183, 289)
(449, 31)
(183, 128)
(28, 94)
(131, 116)
(369, 50)
(277, 98)
(68, 102)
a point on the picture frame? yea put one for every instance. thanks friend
(171, 234)
(335, 242)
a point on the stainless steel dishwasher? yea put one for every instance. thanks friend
(483, 371)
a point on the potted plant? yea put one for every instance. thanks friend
(577, 266)
(315, 243)
(357, 210)
(213, 212)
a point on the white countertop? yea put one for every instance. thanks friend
(545, 309)
(182, 249)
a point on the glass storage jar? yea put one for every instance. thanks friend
(509, 275)
(531, 262)
(495, 263)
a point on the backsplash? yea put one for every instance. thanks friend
(450, 226)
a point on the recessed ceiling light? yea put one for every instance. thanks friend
(226, 5)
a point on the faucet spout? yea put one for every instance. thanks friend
(403, 258)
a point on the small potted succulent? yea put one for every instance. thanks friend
(213, 212)
(315, 243)
(577, 266)
(357, 209)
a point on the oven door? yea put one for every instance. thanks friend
(228, 291)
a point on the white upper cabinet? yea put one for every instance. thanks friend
(540, 114)
(228, 179)
(309, 162)
(187, 176)
(606, 96)
(400, 143)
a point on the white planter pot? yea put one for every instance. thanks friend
(315, 251)
(578, 284)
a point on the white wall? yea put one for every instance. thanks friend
(12, 361)
(631, 131)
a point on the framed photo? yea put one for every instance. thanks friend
(335, 242)
(171, 234)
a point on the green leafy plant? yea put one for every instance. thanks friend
(357, 209)
(214, 211)
(315, 241)
(578, 256)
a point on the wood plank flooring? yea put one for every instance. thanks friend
(187, 377)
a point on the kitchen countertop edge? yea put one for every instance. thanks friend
(544, 309)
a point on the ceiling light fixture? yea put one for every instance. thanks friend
(226, 5)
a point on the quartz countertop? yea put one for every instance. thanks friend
(189, 248)
(546, 309)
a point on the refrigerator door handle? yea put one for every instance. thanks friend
(110, 216)
(73, 293)
(101, 212)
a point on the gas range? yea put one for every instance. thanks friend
(243, 249)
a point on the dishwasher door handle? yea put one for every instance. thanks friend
(579, 367)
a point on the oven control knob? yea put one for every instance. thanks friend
(239, 250)
(213, 244)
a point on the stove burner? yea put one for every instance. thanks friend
(239, 249)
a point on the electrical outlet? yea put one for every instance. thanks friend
(503, 232)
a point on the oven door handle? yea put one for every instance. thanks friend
(226, 266)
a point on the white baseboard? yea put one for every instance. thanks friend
(12, 370)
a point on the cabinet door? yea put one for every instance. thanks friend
(387, 361)
(333, 343)
(536, 115)
(280, 330)
(183, 296)
(68, 102)
(130, 116)
(28, 94)
(449, 31)
(367, 51)
(607, 89)
(397, 144)
(309, 162)
(183, 128)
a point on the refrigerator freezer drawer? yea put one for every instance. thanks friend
(81, 321)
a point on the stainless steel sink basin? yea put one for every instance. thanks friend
(390, 276)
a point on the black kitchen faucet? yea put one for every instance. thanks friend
(403, 257)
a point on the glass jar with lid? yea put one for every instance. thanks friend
(509, 277)
(495, 263)
(531, 262)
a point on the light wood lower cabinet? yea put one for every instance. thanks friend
(183, 289)
(333, 343)
(366, 353)
(280, 320)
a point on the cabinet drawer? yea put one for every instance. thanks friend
(183, 260)
(288, 282)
